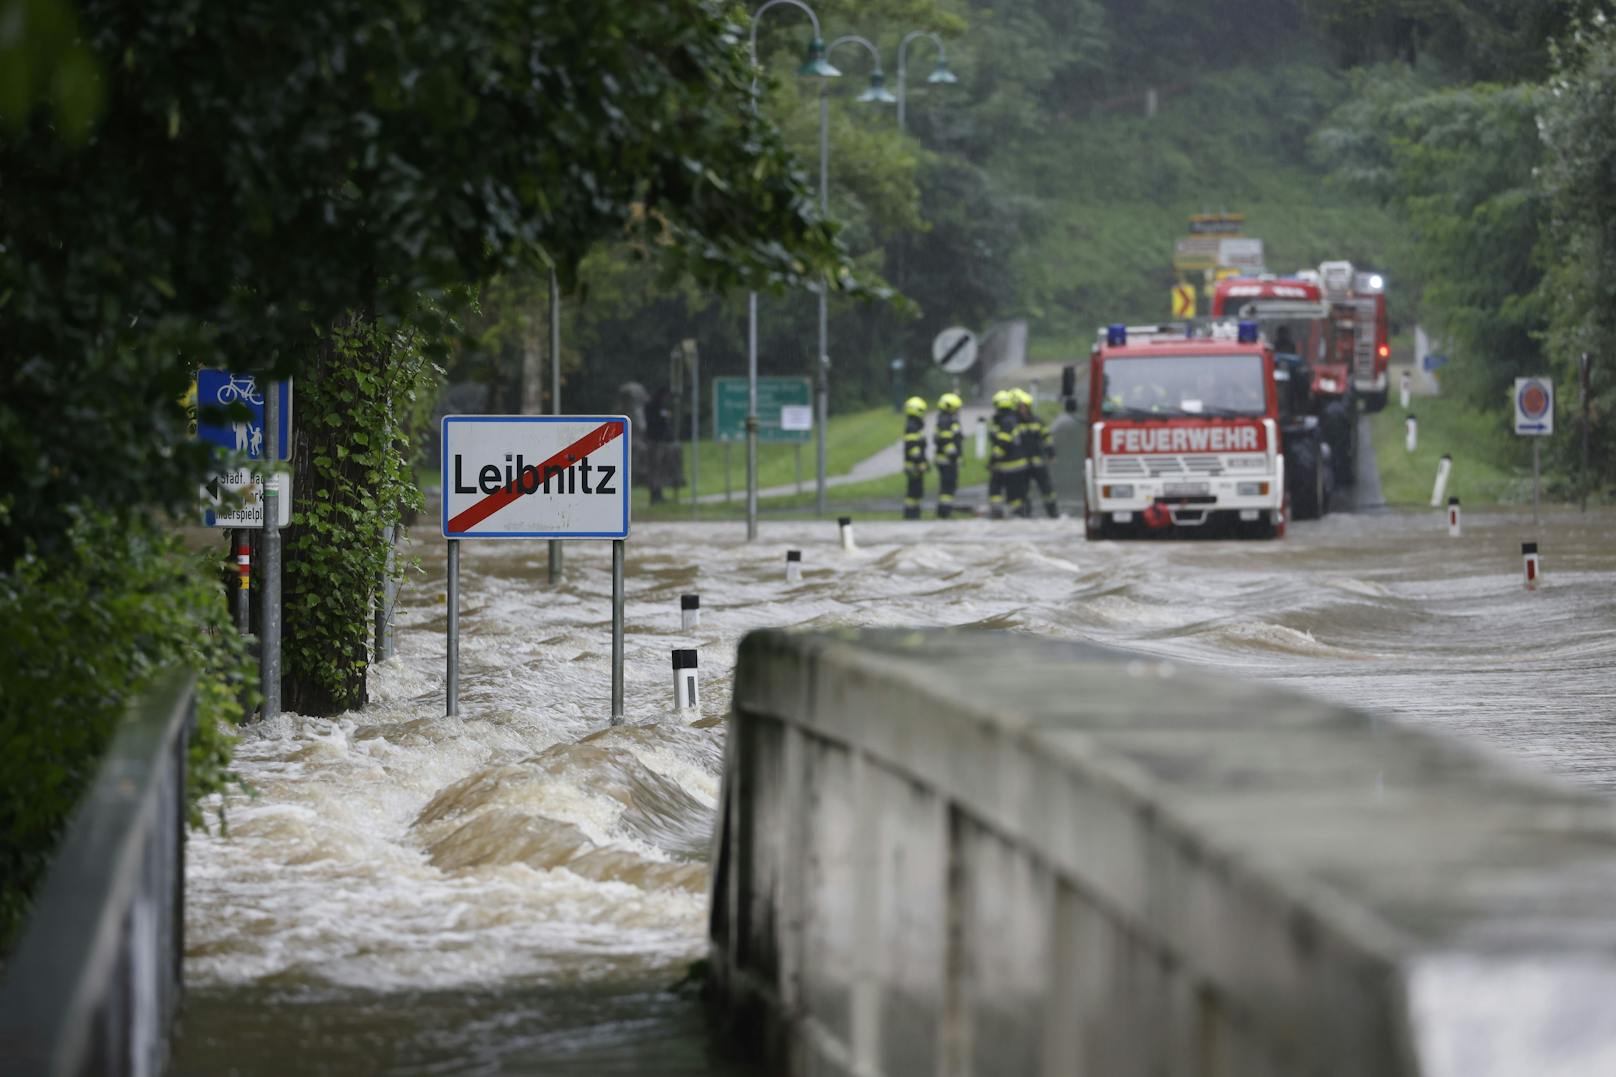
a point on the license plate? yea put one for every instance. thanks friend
(1185, 489)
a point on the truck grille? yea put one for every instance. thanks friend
(1140, 467)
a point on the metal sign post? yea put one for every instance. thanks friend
(555, 399)
(269, 633)
(452, 682)
(617, 632)
(1534, 418)
(536, 477)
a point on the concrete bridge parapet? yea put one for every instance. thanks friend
(962, 854)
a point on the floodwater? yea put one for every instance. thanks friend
(522, 889)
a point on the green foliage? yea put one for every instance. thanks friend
(1579, 177)
(1458, 165)
(44, 62)
(1490, 464)
(261, 167)
(361, 412)
(81, 635)
(1480, 40)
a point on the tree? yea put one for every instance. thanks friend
(1578, 126)
(264, 168)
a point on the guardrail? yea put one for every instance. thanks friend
(967, 853)
(94, 984)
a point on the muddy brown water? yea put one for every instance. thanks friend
(520, 890)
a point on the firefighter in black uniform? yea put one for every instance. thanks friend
(1005, 460)
(945, 441)
(914, 456)
(1036, 450)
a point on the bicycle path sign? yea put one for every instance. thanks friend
(780, 409)
(220, 389)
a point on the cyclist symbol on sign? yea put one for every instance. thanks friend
(240, 388)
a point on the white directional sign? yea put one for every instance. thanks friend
(1534, 406)
(535, 476)
(249, 487)
(954, 349)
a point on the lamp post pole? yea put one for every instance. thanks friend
(817, 68)
(940, 75)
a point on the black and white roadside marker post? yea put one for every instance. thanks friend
(1411, 433)
(1453, 517)
(793, 566)
(1529, 564)
(845, 524)
(689, 611)
(686, 693)
(1444, 466)
(1403, 389)
(536, 477)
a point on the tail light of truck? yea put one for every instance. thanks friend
(1385, 350)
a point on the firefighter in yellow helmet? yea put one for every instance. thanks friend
(1036, 449)
(1004, 459)
(914, 456)
(945, 441)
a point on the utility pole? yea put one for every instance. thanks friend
(555, 396)
(1585, 404)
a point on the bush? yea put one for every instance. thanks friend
(80, 635)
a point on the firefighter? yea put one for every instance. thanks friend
(914, 456)
(1005, 462)
(945, 441)
(1036, 450)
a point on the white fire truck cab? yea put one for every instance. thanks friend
(1183, 432)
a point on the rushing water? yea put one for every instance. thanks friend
(521, 888)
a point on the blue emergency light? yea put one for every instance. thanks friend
(1116, 335)
(1248, 333)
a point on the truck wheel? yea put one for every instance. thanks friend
(1340, 430)
(1373, 402)
(1305, 468)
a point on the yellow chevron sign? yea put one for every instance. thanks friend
(1183, 301)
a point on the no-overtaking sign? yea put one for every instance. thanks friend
(535, 476)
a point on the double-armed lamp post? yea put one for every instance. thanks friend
(819, 68)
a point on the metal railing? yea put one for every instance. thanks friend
(94, 985)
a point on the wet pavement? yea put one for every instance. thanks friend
(518, 890)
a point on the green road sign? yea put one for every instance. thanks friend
(785, 409)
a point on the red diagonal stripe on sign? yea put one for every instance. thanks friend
(497, 500)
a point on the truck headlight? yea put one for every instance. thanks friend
(1251, 489)
(1121, 490)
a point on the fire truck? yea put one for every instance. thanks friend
(1357, 302)
(1293, 315)
(1187, 430)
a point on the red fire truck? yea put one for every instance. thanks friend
(1357, 300)
(1187, 431)
(1294, 317)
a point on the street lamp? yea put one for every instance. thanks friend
(876, 94)
(940, 75)
(816, 66)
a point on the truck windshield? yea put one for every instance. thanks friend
(1180, 385)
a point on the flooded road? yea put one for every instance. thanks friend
(520, 889)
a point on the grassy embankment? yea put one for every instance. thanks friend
(853, 437)
(1490, 464)
(1115, 190)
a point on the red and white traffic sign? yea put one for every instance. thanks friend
(535, 476)
(1534, 406)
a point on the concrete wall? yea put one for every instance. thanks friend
(978, 854)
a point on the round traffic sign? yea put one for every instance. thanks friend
(954, 349)
(1533, 400)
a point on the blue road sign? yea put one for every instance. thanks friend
(220, 389)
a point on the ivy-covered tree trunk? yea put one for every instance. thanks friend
(350, 478)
